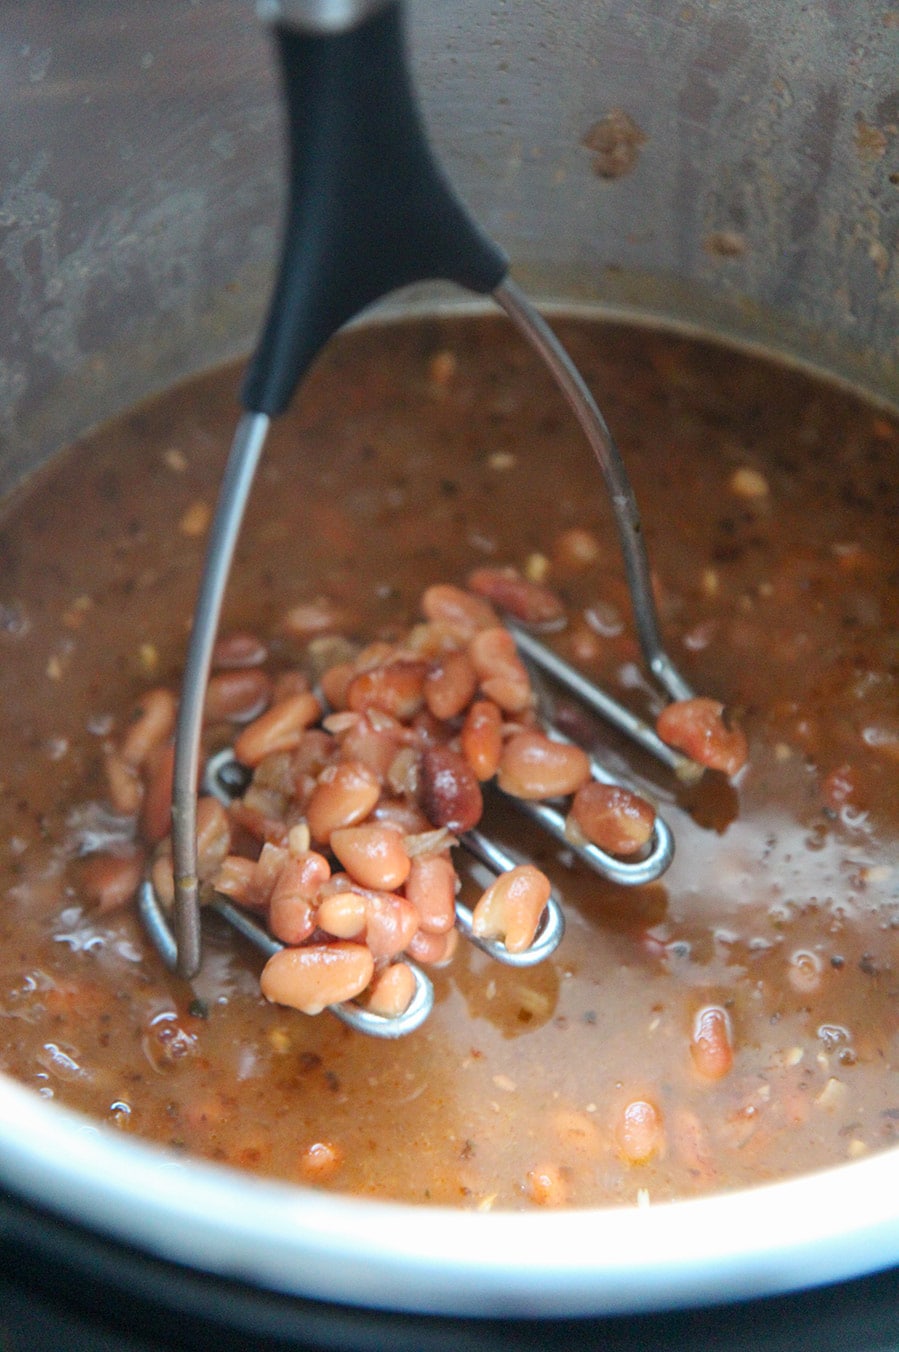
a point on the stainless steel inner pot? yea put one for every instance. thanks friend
(728, 165)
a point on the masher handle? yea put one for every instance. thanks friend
(369, 209)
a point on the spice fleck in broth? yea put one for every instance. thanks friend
(735, 1021)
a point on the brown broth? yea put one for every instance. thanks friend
(382, 480)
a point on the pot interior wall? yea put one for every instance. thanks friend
(731, 166)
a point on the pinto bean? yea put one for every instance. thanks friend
(238, 649)
(318, 975)
(336, 682)
(236, 878)
(532, 765)
(433, 949)
(698, 727)
(372, 854)
(612, 817)
(375, 747)
(309, 618)
(343, 796)
(457, 610)
(162, 877)
(291, 913)
(315, 750)
(213, 836)
(249, 882)
(111, 880)
(502, 674)
(449, 792)
(450, 685)
(511, 907)
(711, 1045)
(126, 788)
(153, 723)
(156, 809)
(529, 601)
(399, 812)
(280, 728)
(391, 991)
(343, 914)
(237, 696)
(392, 922)
(431, 887)
(481, 738)
(639, 1132)
(397, 688)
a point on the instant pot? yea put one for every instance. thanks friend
(728, 166)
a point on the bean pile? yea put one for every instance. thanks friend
(343, 837)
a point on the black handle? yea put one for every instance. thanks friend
(369, 209)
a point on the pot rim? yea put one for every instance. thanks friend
(828, 1226)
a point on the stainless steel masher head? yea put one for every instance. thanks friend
(369, 210)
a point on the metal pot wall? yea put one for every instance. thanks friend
(725, 165)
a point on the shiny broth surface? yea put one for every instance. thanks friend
(414, 454)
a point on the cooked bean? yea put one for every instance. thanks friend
(249, 882)
(238, 649)
(313, 753)
(711, 1045)
(431, 887)
(374, 855)
(450, 685)
(311, 978)
(153, 723)
(309, 618)
(639, 1132)
(612, 817)
(343, 914)
(449, 793)
(529, 601)
(290, 683)
(343, 796)
(392, 922)
(698, 727)
(375, 747)
(294, 895)
(532, 765)
(434, 949)
(291, 912)
(399, 812)
(391, 992)
(458, 610)
(163, 879)
(397, 688)
(481, 738)
(548, 1186)
(511, 907)
(111, 880)
(213, 836)
(336, 682)
(156, 809)
(280, 728)
(125, 786)
(237, 696)
(502, 674)
(236, 879)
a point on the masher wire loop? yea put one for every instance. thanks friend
(369, 210)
